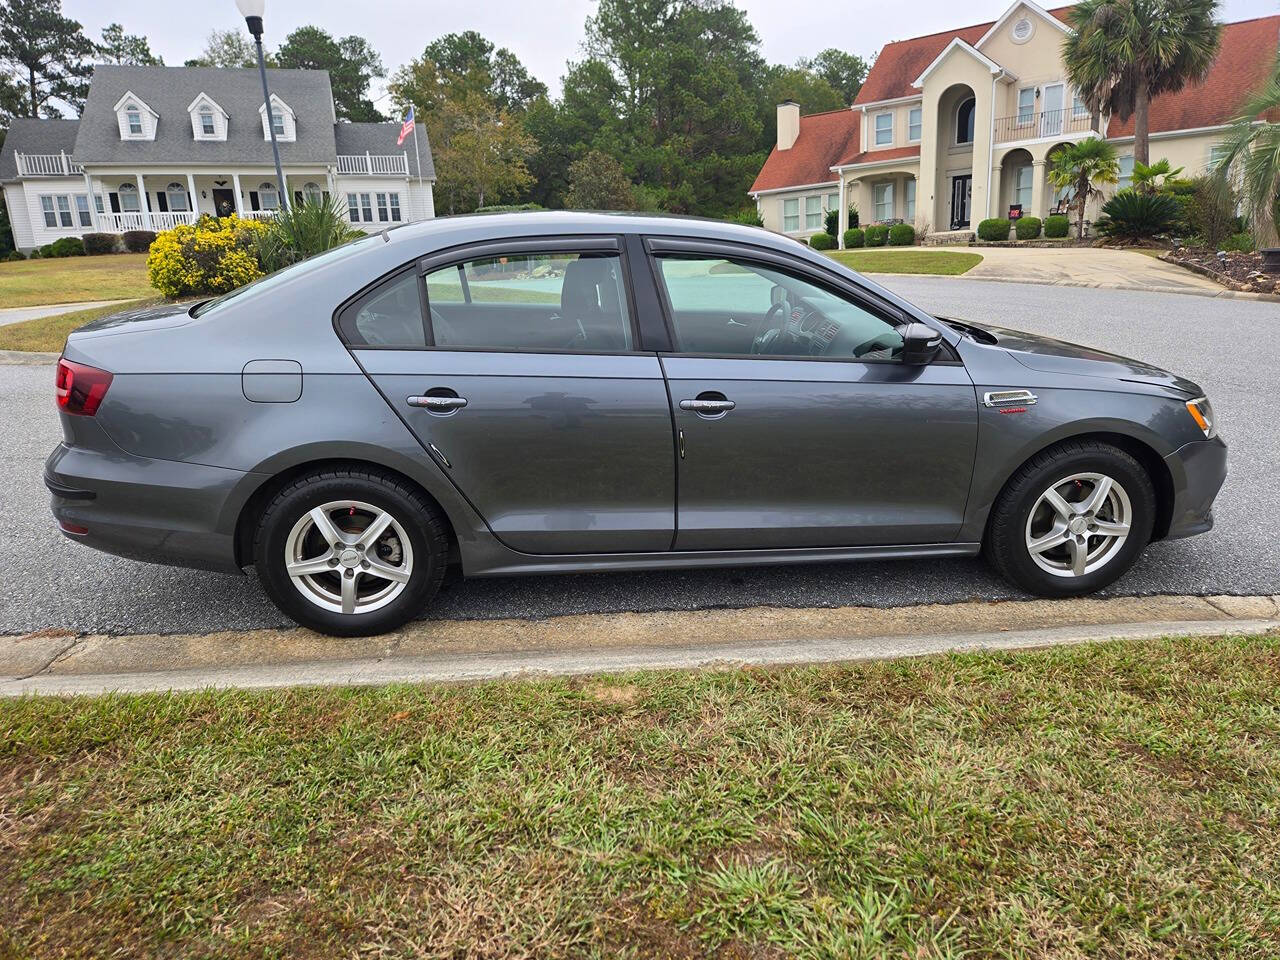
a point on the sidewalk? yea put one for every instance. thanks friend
(18, 314)
(50, 662)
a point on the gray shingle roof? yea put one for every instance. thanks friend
(29, 135)
(169, 90)
(380, 138)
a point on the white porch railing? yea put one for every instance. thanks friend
(120, 222)
(374, 165)
(47, 165)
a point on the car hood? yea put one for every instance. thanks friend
(136, 321)
(1049, 355)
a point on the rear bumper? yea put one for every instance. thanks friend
(1202, 467)
(160, 511)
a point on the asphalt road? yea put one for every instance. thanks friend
(1231, 347)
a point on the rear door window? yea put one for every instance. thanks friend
(549, 301)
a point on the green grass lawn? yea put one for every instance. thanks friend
(948, 263)
(29, 283)
(49, 334)
(1118, 800)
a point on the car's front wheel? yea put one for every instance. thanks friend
(1072, 520)
(351, 553)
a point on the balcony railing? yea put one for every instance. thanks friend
(374, 165)
(1038, 124)
(47, 165)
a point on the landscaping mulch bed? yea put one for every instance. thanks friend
(1237, 271)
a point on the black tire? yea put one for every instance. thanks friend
(418, 517)
(1005, 545)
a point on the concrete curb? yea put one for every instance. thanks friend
(1223, 294)
(490, 666)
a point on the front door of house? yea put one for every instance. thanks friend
(224, 201)
(961, 194)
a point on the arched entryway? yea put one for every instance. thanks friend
(954, 139)
(1017, 184)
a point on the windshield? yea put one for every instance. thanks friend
(272, 280)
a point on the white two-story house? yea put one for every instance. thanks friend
(158, 146)
(959, 126)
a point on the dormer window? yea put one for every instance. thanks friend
(208, 120)
(277, 121)
(135, 119)
(282, 121)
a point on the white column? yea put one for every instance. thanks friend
(143, 205)
(235, 183)
(843, 220)
(1039, 207)
(194, 205)
(93, 207)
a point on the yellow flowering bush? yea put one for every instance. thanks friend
(214, 255)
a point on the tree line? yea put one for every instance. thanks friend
(670, 108)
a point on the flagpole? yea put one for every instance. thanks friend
(416, 155)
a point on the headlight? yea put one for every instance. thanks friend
(1202, 413)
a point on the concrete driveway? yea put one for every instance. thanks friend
(54, 583)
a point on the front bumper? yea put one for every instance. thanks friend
(1199, 469)
(160, 511)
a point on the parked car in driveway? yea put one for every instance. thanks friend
(555, 392)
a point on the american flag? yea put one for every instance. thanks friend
(406, 128)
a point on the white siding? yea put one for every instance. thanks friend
(415, 203)
(19, 217)
(23, 200)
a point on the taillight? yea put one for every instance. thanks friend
(80, 388)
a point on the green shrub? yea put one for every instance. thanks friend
(68, 247)
(902, 235)
(1135, 215)
(213, 255)
(994, 230)
(822, 241)
(138, 241)
(1027, 228)
(1211, 212)
(15, 255)
(877, 235)
(748, 217)
(1241, 242)
(854, 238)
(35, 254)
(306, 229)
(831, 222)
(509, 207)
(99, 243)
(1057, 226)
(46, 251)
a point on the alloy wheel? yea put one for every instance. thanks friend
(1078, 525)
(348, 557)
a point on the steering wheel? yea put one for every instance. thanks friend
(762, 340)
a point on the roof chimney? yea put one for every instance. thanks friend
(788, 124)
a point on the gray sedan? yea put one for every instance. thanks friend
(542, 393)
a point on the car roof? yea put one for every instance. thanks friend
(446, 231)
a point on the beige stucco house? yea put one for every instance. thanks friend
(958, 126)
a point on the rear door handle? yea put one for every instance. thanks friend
(438, 404)
(707, 406)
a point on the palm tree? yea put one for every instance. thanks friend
(1124, 52)
(1083, 166)
(1253, 151)
(1149, 179)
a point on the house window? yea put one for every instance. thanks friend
(383, 214)
(277, 122)
(812, 213)
(177, 196)
(1026, 104)
(129, 198)
(64, 209)
(50, 216)
(1126, 173)
(312, 193)
(206, 122)
(833, 201)
(353, 208)
(1022, 187)
(133, 119)
(884, 129)
(395, 206)
(791, 215)
(1217, 153)
(1078, 107)
(915, 124)
(82, 210)
(883, 194)
(909, 213)
(964, 121)
(268, 196)
(366, 207)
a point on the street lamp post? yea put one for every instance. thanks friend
(252, 11)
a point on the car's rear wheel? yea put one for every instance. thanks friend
(1072, 520)
(351, 553)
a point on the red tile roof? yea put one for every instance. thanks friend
(1247, 52)
(823, 139)
(877, 156)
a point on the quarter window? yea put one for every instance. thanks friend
(561, 302)
(390, 316)
(791, 215)
(737, 307)
(915, 124)
(884, 129)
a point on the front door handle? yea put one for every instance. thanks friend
(438, 404)
(708, 407)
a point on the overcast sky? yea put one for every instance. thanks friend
(546, 34)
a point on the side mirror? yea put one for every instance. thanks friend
(920, 344)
